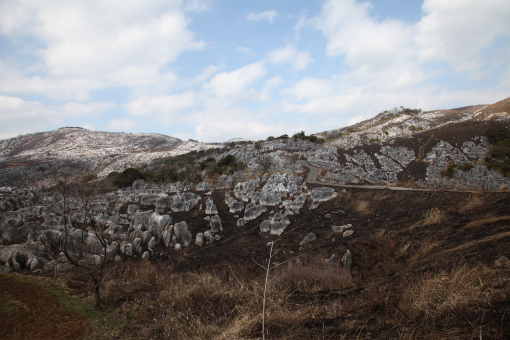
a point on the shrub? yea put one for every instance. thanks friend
(449, 171)
(312, 138)
(499, 156)
(88, 177)
(497, 133)
(467, 166)
(228, 165)
(127, 177)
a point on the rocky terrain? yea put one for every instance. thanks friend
(71, 151)
(311, 228)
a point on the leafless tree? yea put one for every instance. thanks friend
(266, 162)
(84, 239)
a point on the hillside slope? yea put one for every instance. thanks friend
(73, 151)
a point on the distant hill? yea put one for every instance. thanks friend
(398, 146)
(401, 121)
(74, 151)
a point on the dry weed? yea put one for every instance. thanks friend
(471, 204)
(312, 277)
(479, 223)
(442, 298)
(361, 207)
(433, 216)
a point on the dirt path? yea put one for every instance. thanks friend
(31, 312)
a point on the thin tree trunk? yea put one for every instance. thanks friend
(97, 299)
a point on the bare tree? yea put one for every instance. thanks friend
(265, 162)
(84, 239)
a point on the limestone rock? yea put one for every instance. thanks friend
(210, 207)
(215, 224)
(182, 233)
(347, 260)
(308, 238)
(348, 233)
(199, 239)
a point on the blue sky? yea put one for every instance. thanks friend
(213, 70)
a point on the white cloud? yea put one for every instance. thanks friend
(270, 86)
(95, 44)
(206, 74)
(243, 49)
(259, 16)
(458, 31)
(236, 82)
(122, 125)
(368, 47)
(233, 123)
(290, 54)
(197, 5)
(309, 88)
(86, 109)
(21, 116)
(163, 109)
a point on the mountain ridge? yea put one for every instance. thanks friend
(381, 150)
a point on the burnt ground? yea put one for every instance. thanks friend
(32, 312)
(395, 245)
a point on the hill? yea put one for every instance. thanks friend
(70, 152)
(286, 237)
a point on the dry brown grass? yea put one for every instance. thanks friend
(440, 295)
(312, 277)
(433, 216)
(361, 207)
(470, 204)
(438, 299)
(484, 222)
(207, 305)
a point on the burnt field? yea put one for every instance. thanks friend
(425, 265)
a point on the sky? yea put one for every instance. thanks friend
(212, 70)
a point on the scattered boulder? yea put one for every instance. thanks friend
(347, 260)
(236, 207)
(279, 223)
(199, 239)
(332, 261)
(209, 237)
(182, 233)
(270, 198)
(308, 238)
(341, 229)
(322, 194)
(215, 224)
(265, 226)
(138, 184)
(252, 211)
(348, 233)
(210, 207)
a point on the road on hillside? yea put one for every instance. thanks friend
(314, 172)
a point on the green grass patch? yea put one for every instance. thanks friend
(8, 307)
(102, 320)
